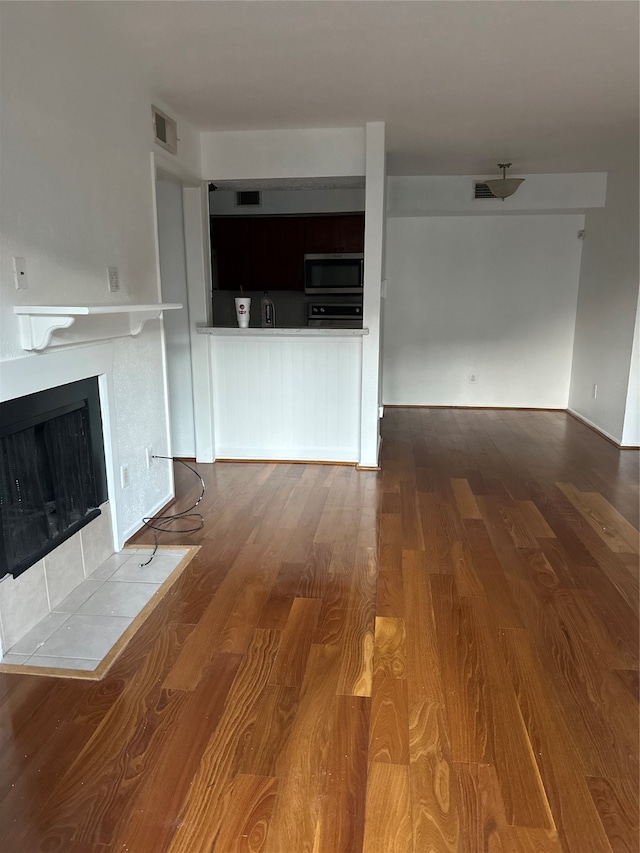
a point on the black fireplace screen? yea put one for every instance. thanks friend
(50, 485)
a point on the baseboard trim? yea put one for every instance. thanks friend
(601, 431)
(479, 408)
(355, 465)
(287, 461)
(160, 507)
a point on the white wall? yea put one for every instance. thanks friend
(493, 296)
(173, 274)
(607, 304)
(293, 201)
(317, 152)
(418, 195)
(77, 196)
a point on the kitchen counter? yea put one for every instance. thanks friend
(281, 332)
(282, 393)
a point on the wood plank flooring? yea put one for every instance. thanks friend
(441, 656)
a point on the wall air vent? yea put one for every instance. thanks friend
(165, 130)
(481, 190)
(248, 198)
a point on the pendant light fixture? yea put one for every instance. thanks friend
(504, 187)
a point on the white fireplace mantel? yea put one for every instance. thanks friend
(42, 326)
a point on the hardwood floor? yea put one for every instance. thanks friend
(441, 656)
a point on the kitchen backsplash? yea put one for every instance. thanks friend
(290, 307)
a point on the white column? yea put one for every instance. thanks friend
(631, 426)
(375, 171)
(196, 236)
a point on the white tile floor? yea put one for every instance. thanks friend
(84, 627)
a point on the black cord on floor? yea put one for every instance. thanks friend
(161, 523)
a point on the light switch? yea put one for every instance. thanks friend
(20, 273)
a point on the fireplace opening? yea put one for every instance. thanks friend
(52, 471)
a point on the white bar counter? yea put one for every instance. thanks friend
(286, 394)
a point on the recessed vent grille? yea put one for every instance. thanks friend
(165, 130)
(248, 198)
(482, 191)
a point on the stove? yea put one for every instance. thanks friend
(326, 315)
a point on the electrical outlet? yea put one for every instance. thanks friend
(149, 453)
(114, 279)
(473, 379)
(124, 476)
(595, 391)
(20, 273)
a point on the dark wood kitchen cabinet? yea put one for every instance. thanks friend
(230, 251)
(341, 233)
(351, 232)
(259, 253)
(277, 253)
(267, 252)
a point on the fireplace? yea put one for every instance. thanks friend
(52, 471)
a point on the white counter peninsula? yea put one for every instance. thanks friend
(286, 394)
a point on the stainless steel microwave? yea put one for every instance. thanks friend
(335, 273)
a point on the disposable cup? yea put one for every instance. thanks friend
(243, 307)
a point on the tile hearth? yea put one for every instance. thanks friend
(81, 630)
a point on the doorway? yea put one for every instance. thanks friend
(173, 277)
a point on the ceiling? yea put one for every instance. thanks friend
(550, 85)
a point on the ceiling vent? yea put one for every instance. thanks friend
(481, 190)
(248, 198)
(165, 130)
